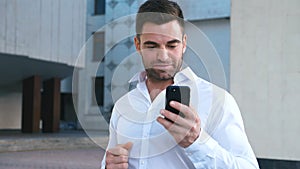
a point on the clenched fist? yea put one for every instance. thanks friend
(117, 157)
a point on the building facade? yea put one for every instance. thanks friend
(39, 40)
(265, 77)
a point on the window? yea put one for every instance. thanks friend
(98, 46)
(98, 91)
(99, 7)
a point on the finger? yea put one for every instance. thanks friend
(117, 166)
(166, 123)
(184, 109)
(180, 124)
(116, 151)
(186, 123)
(109, 154)
(171, 127)
(178, 132)
(127, 146)
(171, 116)
(116, 159)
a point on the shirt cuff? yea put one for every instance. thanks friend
(202, 147)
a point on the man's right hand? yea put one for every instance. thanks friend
(117, 157)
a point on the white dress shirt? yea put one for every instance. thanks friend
(222, 143)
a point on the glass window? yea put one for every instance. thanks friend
(99, 7)
(98, 47)
(98, 91)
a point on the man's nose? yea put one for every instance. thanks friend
(162, 54)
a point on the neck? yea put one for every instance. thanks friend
(156, 86)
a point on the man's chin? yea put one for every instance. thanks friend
(166, 76)
(158, 74)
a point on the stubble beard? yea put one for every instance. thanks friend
(155, 74)
(161, 75)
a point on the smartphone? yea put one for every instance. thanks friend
(180, 94)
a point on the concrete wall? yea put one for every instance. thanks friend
(93, 22)
(265, 74)
(36, 35)
(218, 33)
(51, 30)
(10, 107)
(204, 9)
(89, 114)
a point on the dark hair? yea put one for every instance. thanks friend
(158, 12)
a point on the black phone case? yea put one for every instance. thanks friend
(177, 93)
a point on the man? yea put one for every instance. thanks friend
(210, 131)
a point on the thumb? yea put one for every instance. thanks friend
(127, 146)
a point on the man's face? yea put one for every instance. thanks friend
(161, 48)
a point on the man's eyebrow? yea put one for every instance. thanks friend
(150, 43)
(174, 41)
(169, 42)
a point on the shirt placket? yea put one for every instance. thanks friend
(145, 146)
(146, 130)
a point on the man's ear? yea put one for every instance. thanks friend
(184, 43)
(137, 44)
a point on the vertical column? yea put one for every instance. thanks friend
(51, 105)
(31, 104)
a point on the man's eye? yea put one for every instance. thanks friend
(150, 46)
(172, 46)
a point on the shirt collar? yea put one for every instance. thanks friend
(139, 77)
(185, 74)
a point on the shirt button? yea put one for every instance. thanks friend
(142, 162)
(146, 135)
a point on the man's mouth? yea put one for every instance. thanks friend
(161, 66)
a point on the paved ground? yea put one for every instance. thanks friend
(63, 150)
(17, 141)
(88, 158)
